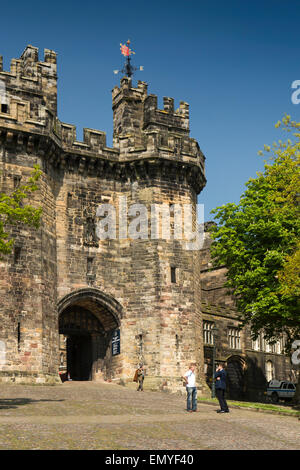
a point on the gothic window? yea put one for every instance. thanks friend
(279, 346)
(208, 336)
(269, 347)
(269, 371)
(256, 343)
(234, 338)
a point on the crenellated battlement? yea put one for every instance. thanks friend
(141, 131)
(136, 111)
(28, 65)
(93, 140)
(167, 118)
(31, 80)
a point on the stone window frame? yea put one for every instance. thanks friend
(269, 370)
(256, 344)
(261, 344)
(234, 337)
(208, 337)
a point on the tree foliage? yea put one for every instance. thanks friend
(258, 241)
(14, 211)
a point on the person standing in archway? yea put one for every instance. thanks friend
(220, 376)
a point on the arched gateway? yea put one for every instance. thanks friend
(236, 377)
(88, 319)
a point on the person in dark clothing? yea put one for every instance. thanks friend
(220, 376)
(141, 377)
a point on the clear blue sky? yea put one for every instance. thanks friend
(233, 61)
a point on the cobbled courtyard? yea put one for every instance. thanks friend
(100, 416)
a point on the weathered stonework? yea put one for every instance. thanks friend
(63, 281)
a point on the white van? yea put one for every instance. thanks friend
(280, 390)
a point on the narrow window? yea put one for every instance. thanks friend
(207, 332)
(4, 108)
(17, 254)
(173, 275)
(234, 338)
(19, 335)
(269, 371)
(17, 180)
(90, 265)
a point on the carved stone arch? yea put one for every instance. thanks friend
(88, 320)
(236, 366)
(108, 310)
(235, 357)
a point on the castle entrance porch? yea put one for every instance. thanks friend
(87, 325)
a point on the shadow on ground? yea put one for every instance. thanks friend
(10, 403)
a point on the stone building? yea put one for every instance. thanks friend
(93, 307)
(69, 300)
(249, 364)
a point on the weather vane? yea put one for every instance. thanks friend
(128, 68)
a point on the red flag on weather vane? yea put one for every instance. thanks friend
(125, 49)
(128, 69)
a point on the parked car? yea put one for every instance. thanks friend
(280, 390)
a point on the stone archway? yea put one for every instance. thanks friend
(235, 377)
(87, 320)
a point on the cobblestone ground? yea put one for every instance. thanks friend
(89, 415)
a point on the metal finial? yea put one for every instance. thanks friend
(128, 68)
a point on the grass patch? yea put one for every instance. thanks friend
(257, 406)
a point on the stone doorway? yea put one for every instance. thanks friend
(86, 327)
(235, 377)
(79, 357)
(79, 331)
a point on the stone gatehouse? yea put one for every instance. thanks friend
(70, 300)
(92, 307)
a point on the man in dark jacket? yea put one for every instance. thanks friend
(220, 376)
(140, 377)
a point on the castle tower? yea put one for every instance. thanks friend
(28, 307)
(138, 289)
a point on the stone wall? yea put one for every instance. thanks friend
(28, 281)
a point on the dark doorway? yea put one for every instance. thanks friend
(235, 378)
(79, 357)
(82, 331)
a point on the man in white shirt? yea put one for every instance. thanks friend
(191, 389)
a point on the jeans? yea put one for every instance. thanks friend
(141, 384)
(191, 403)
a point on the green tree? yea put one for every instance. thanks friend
(258, 241)
(14, 211)
(289, 276)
